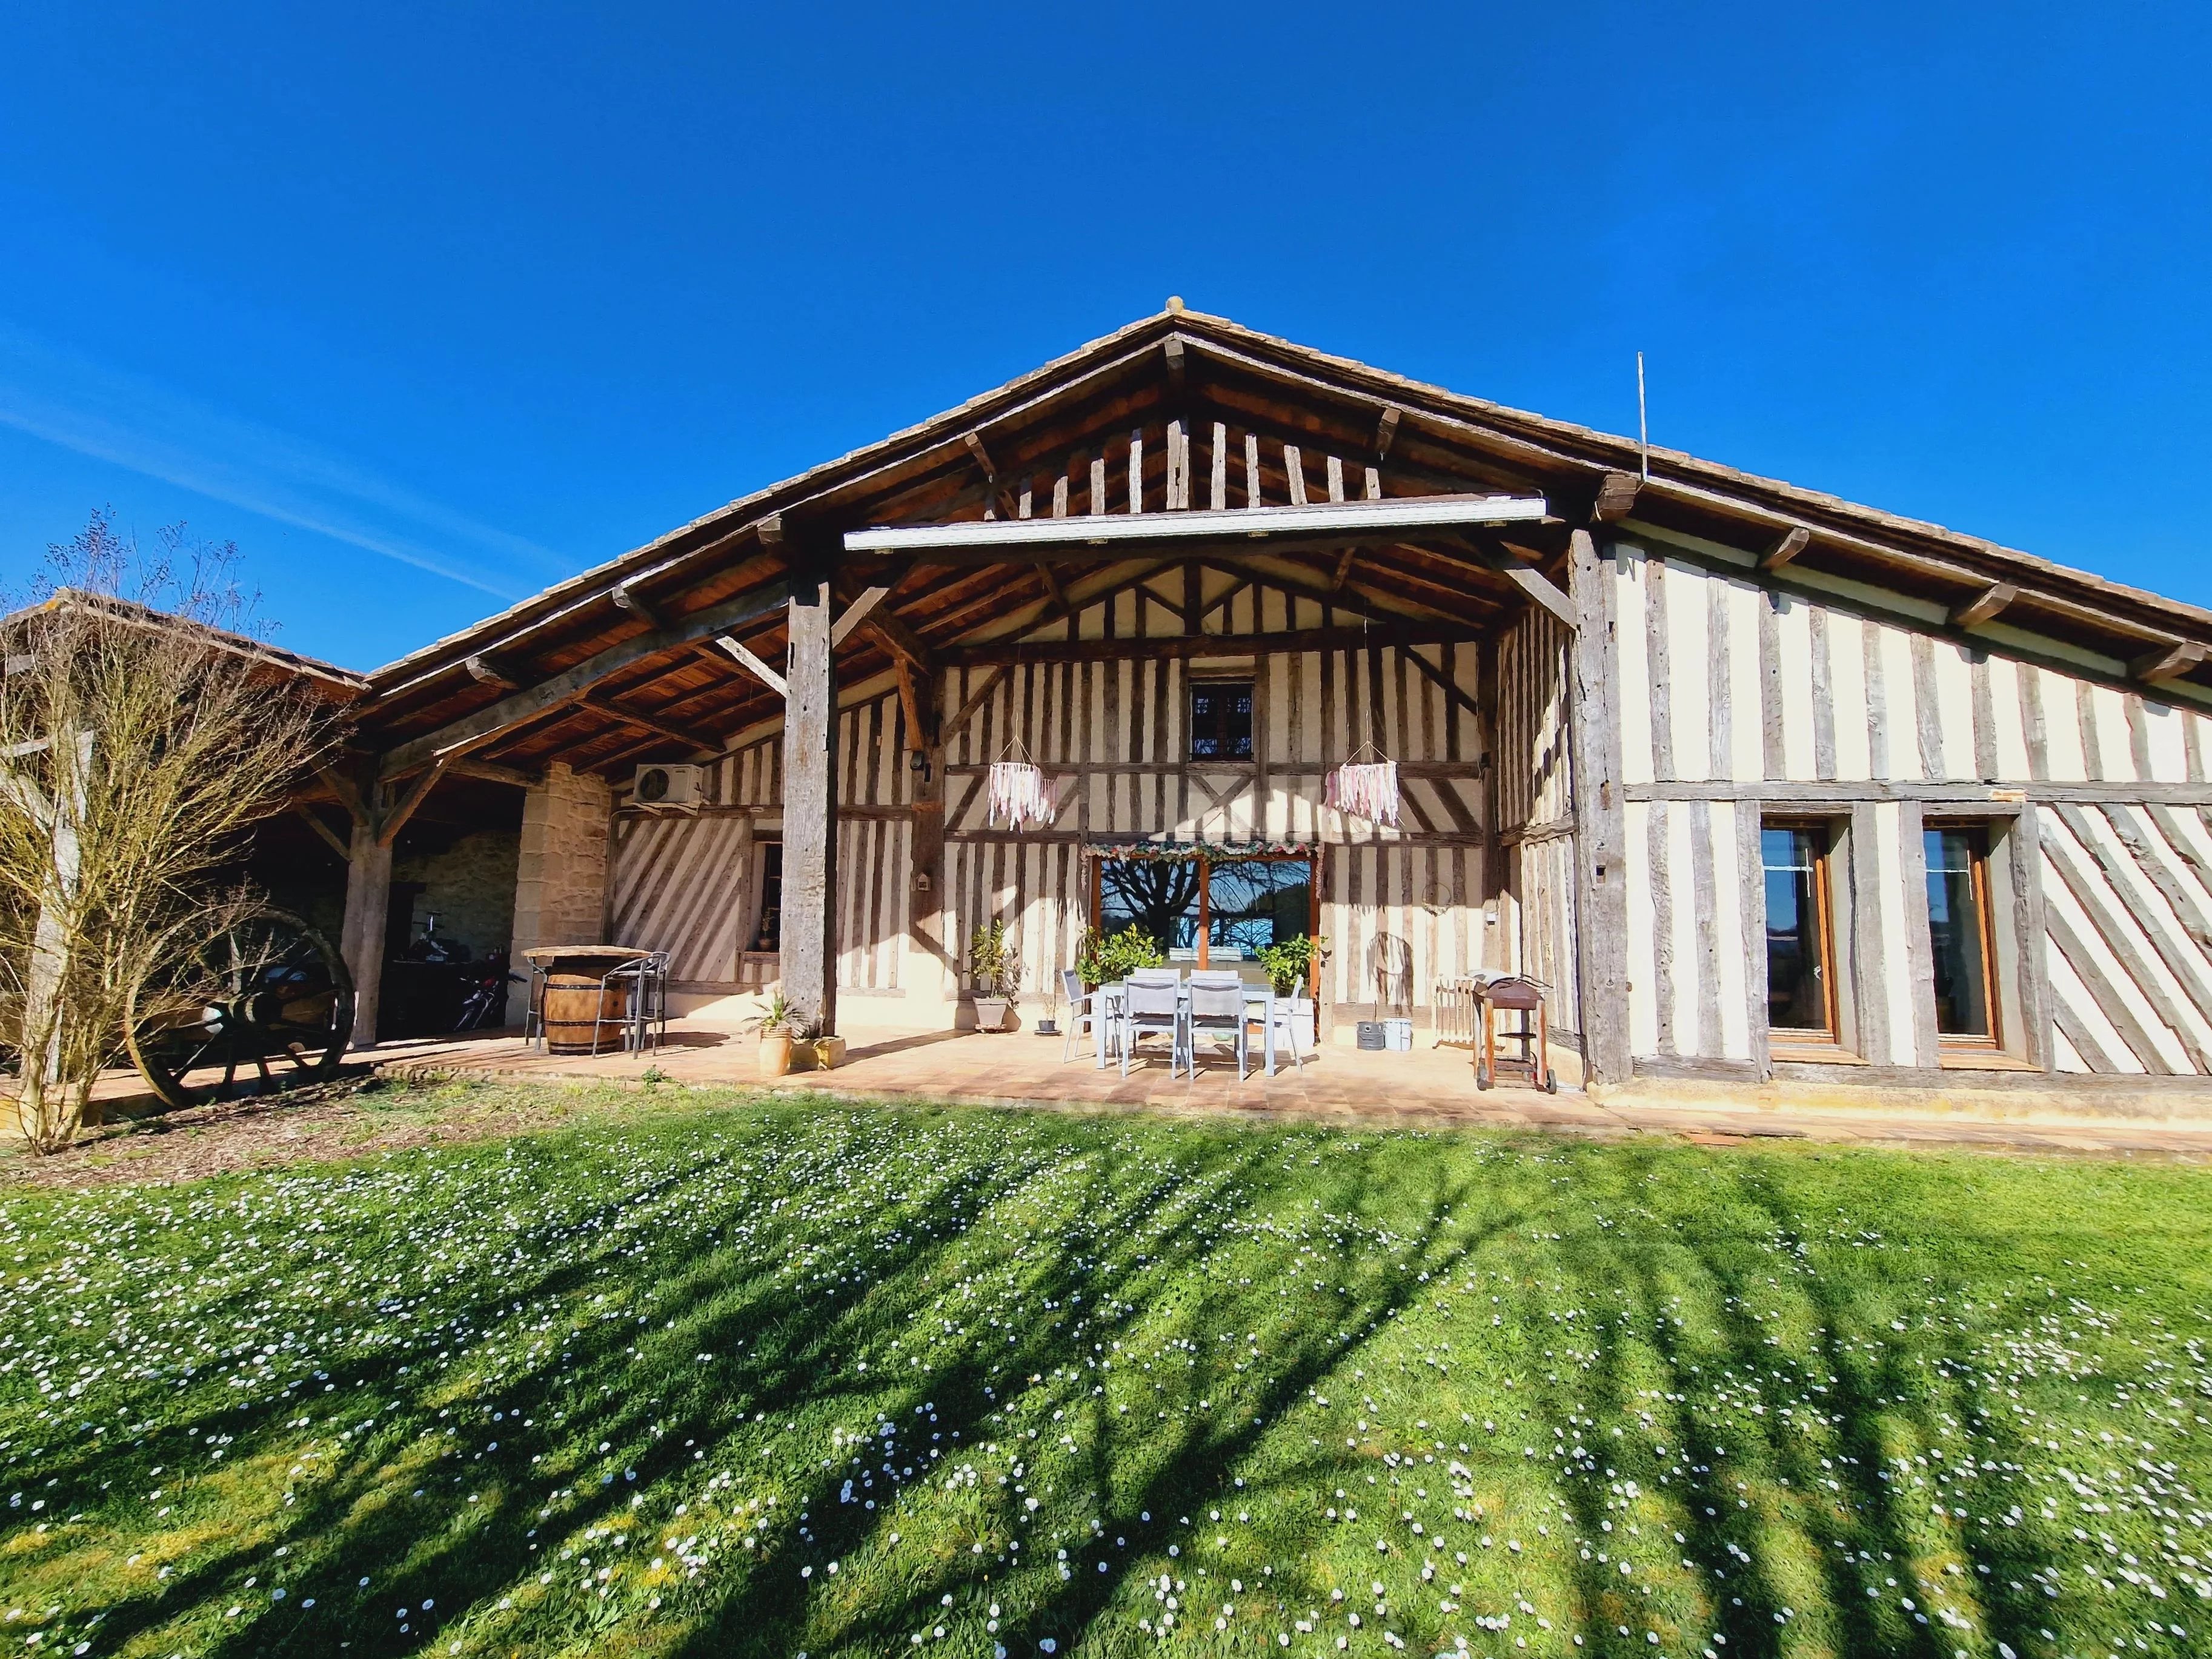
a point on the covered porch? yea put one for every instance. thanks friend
(1186, 573)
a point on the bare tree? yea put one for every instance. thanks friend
(142, 735)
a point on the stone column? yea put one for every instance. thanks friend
(561, 870)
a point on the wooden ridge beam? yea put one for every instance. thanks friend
(564, 688)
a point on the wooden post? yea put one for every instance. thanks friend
(1600, 821)
(810, 811)
(368, 909)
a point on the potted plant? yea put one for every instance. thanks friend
(1106, 959)
(994, 973)
(1290, 967)
(779, 1027)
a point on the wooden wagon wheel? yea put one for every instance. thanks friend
(259, 1005)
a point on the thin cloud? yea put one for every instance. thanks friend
(132, 423)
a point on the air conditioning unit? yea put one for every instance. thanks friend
(668, 786)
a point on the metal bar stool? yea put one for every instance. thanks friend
(644, 1022)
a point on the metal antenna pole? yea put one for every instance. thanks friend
(1643, 423)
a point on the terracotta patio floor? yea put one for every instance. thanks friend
(1427, 1087)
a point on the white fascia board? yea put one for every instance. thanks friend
(1348, 518)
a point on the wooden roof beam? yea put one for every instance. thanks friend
(1335, 524)
(485, 672)
(1984, 606)
(1616, 496)
(2156, 667)
(759, 669)
(1190, 647)
(857, 612)
(626, 597)
(646, 723)
(487, 723)
(903, 642)
(1386, 430)
(1794, 541)
(1533, 584)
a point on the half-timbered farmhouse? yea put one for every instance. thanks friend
(1755, 781)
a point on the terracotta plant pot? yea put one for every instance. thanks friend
(829, 1053)
(774, 1057)
(991, 1014)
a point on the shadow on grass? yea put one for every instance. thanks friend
(1098, 1248)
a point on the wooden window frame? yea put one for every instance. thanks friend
(1311, 859)
(1787, 1038)
(1192, 684)
(1978, 870)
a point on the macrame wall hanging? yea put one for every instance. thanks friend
(1365, 789)
(1017, 791)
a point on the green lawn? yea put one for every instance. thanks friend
(713, 1377)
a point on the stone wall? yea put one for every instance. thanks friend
(561, 868)
(468, 883)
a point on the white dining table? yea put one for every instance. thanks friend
(1110, 999)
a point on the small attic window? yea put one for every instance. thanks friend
(1221, 719)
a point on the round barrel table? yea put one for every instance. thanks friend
(579, 1012)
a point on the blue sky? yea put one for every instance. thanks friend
(430, 307)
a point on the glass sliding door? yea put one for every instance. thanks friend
(1254, 902)
(1214, 912)
(1801, 995)
(1158, 896)
(1958, 937)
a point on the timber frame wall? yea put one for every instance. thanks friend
(1598, 695)
(1742, 699)
(1403, 909)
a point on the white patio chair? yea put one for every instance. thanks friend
(1151, 1004)
(1216, 1007)
(1085, 1011)
(1282, 1016)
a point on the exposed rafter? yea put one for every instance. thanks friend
(627, 598)
(1616, 496)
(2170, 663)
(1985, 605)
(472, 729)
(1794, 541)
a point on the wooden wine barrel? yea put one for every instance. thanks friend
(578, 1010)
